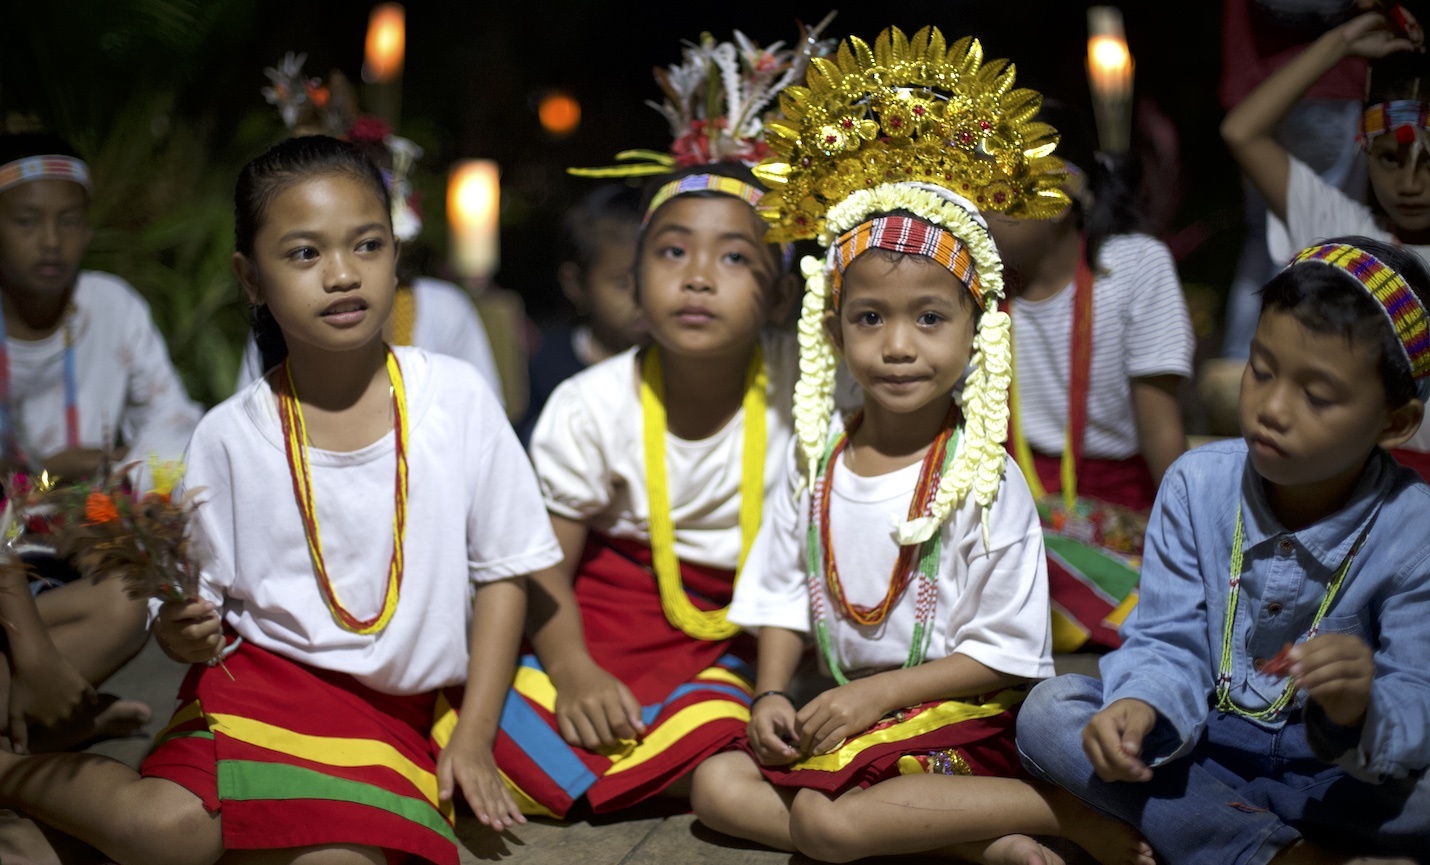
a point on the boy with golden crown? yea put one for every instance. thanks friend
(904, 541)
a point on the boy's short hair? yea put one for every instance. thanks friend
(1327, 300)
(587, 224)
(23, 145)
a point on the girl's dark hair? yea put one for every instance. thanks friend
(279, 168)
(1114, 181)
(1326, 301)
(586, 225)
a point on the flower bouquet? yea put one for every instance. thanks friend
(106, 529)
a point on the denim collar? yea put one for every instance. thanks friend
(1329, 540)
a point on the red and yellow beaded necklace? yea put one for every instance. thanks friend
(914, 559)
(295, 440)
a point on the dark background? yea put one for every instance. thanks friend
(163, 96)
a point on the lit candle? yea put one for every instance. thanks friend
(386, 43)
(473, 202)
(1109, 74)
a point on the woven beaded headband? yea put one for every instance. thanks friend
(52, 167)
(907, 235)
(702, 182)
(1407, 119)
(1401, 305)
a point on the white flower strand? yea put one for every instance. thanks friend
(978, 461)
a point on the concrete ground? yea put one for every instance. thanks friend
(661, 834)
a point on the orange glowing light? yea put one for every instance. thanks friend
(386, 43)
(473, 204)
(559, 113)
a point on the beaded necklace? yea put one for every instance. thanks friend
(295, 439)
(14, 449)
(1224, 702)
(679, 611)
(922, 558)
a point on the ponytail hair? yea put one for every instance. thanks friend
(279, 168)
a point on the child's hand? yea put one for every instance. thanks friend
(832, 717)
(1336, 671)
(595, 709)
(47, 692)
(1373, 35)
(189, 631)
(772, 730)
(1113, 738)
(470, 766)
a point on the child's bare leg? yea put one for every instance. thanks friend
(1308, 853)
(106, 804)
(730, 795)
(97, 629)
(95, 626)
(970, 817)
(336, 854)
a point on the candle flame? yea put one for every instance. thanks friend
(386, 43)
(473, 204)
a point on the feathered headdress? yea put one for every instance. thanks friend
(716, 101)
(915, 126)
(313, 106)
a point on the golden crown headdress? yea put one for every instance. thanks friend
(908, 110)
(927, 128)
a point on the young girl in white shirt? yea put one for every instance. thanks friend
(905, 542)
(328, 733)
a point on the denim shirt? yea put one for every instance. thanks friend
(1172, 642)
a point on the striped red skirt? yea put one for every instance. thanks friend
(942, 737)
(695, 694)
(292, 756)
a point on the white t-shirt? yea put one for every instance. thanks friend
(1140, 327)
(445, 322)
(992, 601)
(589, 454)
(128, 390)
(1316, 211)
(474, 514)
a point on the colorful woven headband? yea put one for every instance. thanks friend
(1406, 118)
(699, 182)
(1406, 313)
(908, 235)
(44, 168)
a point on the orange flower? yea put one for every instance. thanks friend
(99, 508)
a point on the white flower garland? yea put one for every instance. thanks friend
(979, 459)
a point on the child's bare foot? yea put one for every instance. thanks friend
(1109, 841)
(1304, 852)
(111, 718)
(1014, 850)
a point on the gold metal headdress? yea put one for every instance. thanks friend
(908, 110)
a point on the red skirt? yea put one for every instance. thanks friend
(1092, 587)
(948, 737)
(694, 694)
(292, 756)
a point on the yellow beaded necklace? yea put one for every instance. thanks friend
(679, 611)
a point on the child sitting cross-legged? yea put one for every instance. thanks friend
(905, 541)
(1270, 700)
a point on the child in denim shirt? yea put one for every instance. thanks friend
(1202, 733)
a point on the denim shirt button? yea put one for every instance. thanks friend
(1285, 546)
(1258, 663)
(1273, 608)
